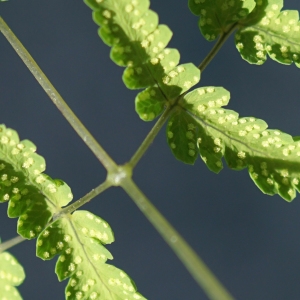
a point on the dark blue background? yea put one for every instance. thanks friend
(249, 240)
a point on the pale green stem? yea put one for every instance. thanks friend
(218, 45)
(196, 267)
(150, 137)
(85, 199)
(12, 242)
(89, 140)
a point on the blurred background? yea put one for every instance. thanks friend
(248, 239)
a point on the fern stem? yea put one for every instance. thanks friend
(85, 199)
(56, 98)
(218, 45)
(150, 137)
(12, 242)
(193, 263)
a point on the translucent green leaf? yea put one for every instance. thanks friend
(32, 195)
(79, 241)
(11, 275)
(79, 238)
(184, 142)
(200, 124)
(138, 43)
(296, 138)
(217, 16)
(267, 31)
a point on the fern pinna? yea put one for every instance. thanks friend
(198, 124)
(263, 29)
(138, 43)
(11, 275)
(78, 238)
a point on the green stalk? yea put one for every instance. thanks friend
(85, 199)
(12, 242)
(56, 98)
(150, 137)
(193, 263)
(218, 45)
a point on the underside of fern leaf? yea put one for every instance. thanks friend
(33, 196)
(269, 31)
(138, 43)
(200, 125)
(263, 29)
(11, 275)
(217, 16)
(79, 239)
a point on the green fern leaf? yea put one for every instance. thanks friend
(138, 43)
(35, 198)
(267, 31)
(217, 16)
(11, 275)
(32, 195)
(79, 239)
(200, 125)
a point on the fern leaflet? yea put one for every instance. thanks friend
(200, 125)
(267, 31)
(33, 196)
(138, 43)
(217, 16)
(79, 240)
(263, 29)
(11, 275)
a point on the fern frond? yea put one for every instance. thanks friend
(11, 275)
(79, 239)
(200, 125)
(32, 195)
(270, 31)
(138, 43)
(216, 16)
(35, 198)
